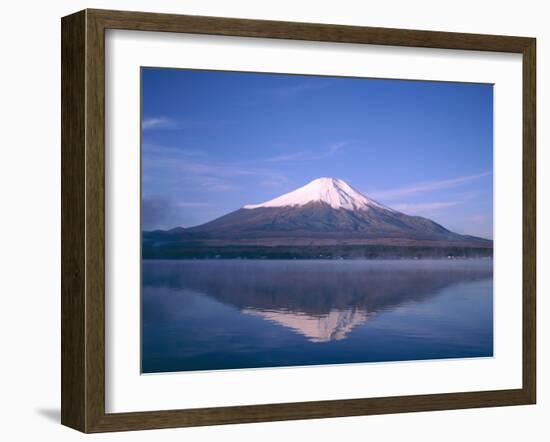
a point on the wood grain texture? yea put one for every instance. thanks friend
(529, 220)
(145, 21)
(95, 222)
(83, 220)
(73, 258)
(308, 410)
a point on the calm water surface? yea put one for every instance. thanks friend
(210, 315)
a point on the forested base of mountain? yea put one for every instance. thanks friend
(312, 252)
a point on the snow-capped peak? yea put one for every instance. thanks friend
(332, 191)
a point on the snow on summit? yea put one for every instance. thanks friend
(332, 191)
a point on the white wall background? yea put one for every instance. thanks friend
(30, 217)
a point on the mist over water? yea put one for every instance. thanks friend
(223, 314)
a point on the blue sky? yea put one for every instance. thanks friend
(214, 141)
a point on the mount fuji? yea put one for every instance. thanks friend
(325, 218)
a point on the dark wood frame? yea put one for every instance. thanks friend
(83, 218)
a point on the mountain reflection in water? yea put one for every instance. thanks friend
(335, 325)
(320, 301)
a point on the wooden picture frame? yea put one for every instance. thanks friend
(83, 220)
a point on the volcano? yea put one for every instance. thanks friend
(325, 215)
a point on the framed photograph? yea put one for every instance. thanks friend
(269, 220)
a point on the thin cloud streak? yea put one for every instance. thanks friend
(332, 149)
(427, 186)
(157, 123)
(329, 151)
(163, 122)
(191, 204)
(424, 207)
(287, 157)
(297, 89)
(177, 164)
(209, 175)
(161, 151)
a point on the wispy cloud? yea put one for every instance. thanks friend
(214, 184)
(476, 224)
(427, 186)
(299, 88)
(331, 150)
(286, 157)
(306, 155)
(204, 172)
(477, 218)
(272, 183)
(415, 208)
(158, 123)
(191, 204)
(159, 150)
(164, 122)
(159, 211)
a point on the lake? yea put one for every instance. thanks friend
(227, 314)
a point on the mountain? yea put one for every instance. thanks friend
(326, 212)
(334, 192)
